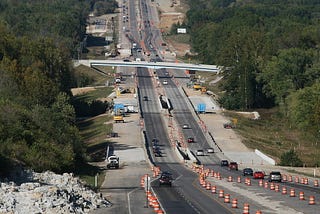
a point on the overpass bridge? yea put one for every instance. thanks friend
(153, 65)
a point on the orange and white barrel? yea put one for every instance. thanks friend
(292, 193)
(301, 195)
(239, 179)
(213, 189)
(234, 203)
(246, 208)
(312, 200)
(221, 193)
(227, 198)
(284, 191)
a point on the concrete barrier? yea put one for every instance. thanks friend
(179, 152)
(193, 159)
(265, 157)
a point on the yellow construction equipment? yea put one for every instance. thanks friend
(118, 113)
(197, 86)
(118, 118)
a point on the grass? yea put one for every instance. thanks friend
(180, 38)
(97, 78)
(87, 173)
(95, 94)
(94, 132)
(273, 135)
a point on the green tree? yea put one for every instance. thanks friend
(286, 73)
(304, 108)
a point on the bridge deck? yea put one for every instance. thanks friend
(154, 65)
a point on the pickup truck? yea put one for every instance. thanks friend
(113, 162)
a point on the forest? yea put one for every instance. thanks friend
(38, 39)
(270, 51)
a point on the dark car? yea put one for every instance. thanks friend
(145, 98)
(155, 142)
(247, 171)
(155, 148)
(190, 140)
(275, 176)
(224, 163)
(258, 175)
(233, 166)
(165, 179)
(157, 152)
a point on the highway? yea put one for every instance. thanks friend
(186, 195)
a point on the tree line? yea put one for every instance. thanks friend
(38, 39)
(270, 50)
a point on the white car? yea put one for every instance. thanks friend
(200, 152)
(185, 126)
(210, 150)
(165, 82)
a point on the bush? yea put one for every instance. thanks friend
(290, 158)
(90, 108)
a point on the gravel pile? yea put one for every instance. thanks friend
(49, 193)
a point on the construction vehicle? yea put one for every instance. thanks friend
(119, 112)
(118, 118)
(197, 86)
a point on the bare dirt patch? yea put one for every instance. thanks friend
(181, 49)
(168, 19)
(173, 12)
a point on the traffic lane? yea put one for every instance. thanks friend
(133, 21)
(186, 185)
(182, 114)
(172, 206)
(225, 172)
(172, 201)
(255, 194)
(154, 128)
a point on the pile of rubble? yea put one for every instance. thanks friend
(49, 193)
